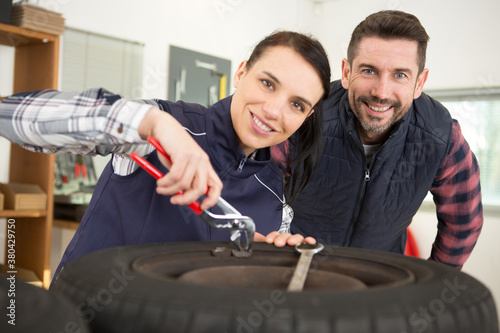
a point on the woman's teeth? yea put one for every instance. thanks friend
(261, 125)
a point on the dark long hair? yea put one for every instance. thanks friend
(305, 145)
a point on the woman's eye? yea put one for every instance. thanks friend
(268, 84)
(298, 106)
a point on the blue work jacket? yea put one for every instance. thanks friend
(126, 210)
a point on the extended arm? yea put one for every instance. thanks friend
(457, 195)
(99, 122)
(86, 123)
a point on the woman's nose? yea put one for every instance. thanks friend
(273, 107)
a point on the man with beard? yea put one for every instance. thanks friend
(387, 145)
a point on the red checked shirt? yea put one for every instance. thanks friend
(457, 195)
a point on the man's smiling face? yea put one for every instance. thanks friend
(382, 80)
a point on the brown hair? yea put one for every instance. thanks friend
(390, 24)
(308, 47)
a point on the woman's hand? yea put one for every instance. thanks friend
(280, 240)
(190, 170)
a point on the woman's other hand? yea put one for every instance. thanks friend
(280, 240)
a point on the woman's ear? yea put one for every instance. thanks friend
(240, 72)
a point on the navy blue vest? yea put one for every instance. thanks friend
(348, 204)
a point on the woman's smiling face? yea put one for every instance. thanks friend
(273, 98)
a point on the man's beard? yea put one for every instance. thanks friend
(372, 123)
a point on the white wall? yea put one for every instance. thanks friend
(464, 43)
(224, 28)
(463, 53)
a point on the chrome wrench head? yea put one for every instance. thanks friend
(236, 223)
(231, 219)
(307, 251)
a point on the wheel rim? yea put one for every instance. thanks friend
(268, 269)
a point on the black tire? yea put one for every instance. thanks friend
(137, 289)
(27, 308)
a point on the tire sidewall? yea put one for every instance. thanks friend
(104, 283)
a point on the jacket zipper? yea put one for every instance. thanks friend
(242, 163)
(366, 179)
(352, 227)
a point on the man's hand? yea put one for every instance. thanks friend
(280, 240)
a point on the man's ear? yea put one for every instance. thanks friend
(419, 86)
(346, 72)
(240, 72)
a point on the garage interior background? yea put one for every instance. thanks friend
(462, 54)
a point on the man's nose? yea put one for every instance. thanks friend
(382, 88)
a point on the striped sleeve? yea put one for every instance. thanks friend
(457, 194)
(92, 122)
(89, 123)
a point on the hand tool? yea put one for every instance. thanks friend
(231, 219)
(80, 167)
(300, 274)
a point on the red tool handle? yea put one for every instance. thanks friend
(162, 151)
(159, 148)
(157, 174)
(146, 166)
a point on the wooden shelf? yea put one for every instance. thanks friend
(14, 36)
(9, 213)
(36, 67)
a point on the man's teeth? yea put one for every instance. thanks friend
(374, 108)
(261, 125)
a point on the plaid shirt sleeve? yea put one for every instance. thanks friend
(93, 122)
(457, 195)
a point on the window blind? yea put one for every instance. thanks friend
(478, 112)
(96, 61)
(91, 60)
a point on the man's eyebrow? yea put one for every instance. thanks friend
(277, 81)
(399, 70)
(367, 66)
(404, 70)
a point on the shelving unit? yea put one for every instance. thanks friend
(36, 67)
